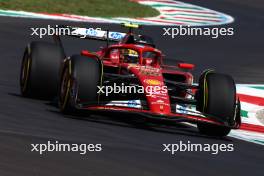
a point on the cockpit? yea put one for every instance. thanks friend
(150, 58)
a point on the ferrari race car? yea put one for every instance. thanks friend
(128, 76)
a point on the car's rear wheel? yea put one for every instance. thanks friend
(217, 97)
(79, 81)
(39, 76)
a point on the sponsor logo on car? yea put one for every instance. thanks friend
(187, 109)
(134, 103)
(159, 102)
(116, 35)
(182, 109)
(91, 32)
(150, 71)
(152, 82)
(128, 103)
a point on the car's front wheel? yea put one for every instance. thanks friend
(79, 81)
(217, 97)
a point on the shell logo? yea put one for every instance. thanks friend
(152, 82)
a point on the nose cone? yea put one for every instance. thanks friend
(155, 90)
(157, 95)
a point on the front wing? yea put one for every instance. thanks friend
(147, 114)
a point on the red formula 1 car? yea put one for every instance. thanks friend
(129, 77)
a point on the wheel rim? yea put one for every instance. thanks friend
(65, 89)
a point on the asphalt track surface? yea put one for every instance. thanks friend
(127, 149)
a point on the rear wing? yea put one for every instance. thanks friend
(86, 33)
(91, 33)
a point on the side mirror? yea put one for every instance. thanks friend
(85, 53)
(186, 66)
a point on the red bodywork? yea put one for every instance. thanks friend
(159, 104)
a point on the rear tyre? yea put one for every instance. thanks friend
(79, 81)
(217, 97)
(39, 76)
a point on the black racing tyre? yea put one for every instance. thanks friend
(39, 76)
(217, 97)
(80, 77)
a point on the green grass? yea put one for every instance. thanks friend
(95, 8)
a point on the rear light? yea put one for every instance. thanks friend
(186, 66)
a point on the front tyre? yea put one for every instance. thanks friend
(217, 97)
(80, 77)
